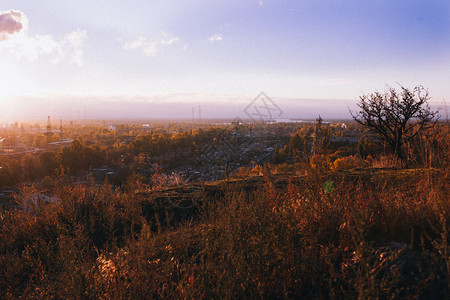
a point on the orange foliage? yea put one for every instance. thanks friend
(346, 163)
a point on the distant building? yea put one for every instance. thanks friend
(352, 140)
(1, 145)
(112, 127)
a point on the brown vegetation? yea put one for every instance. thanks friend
(332, 224)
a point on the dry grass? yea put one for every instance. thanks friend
(377, 234)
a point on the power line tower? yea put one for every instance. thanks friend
(49, 127)
(317, 139)
(60, 129)
(445, 108)
(49, 124)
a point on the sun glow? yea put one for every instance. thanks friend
(13, 81)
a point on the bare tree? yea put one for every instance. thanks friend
(396, 117)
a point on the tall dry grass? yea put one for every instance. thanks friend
(376, 234)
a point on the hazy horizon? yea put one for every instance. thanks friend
(169, 107)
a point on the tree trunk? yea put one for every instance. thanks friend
(398, 150)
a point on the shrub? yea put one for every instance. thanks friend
(346, 163)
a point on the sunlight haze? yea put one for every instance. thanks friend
(115, 57)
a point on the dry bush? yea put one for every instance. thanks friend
(386, 161)
(346, 163)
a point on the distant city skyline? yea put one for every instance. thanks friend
(161, 58)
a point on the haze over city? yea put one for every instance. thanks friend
(160, 59)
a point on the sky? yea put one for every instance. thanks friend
(158, 59)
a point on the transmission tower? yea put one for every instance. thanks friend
(49, 127)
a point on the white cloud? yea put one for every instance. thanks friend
(76, 38)
(71, 47)
(11, 23)
(151, 47)
(261, 3)
(138, 43)
(14, 38)
(142, 44)
(168, 38)
(215, 38)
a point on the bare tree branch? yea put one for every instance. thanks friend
(396, 117)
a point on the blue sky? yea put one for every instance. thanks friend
(211, 51)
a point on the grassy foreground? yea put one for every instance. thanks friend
(371, 234)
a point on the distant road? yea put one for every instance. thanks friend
(25, 150)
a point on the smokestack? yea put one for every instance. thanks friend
(49, 124)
